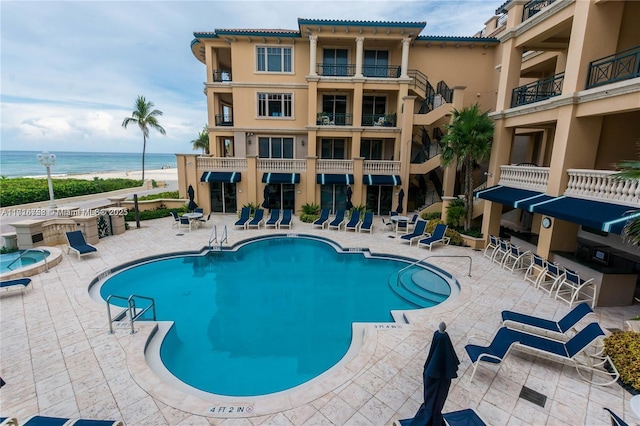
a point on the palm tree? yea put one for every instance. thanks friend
(468, 140)
(631, 231)
(202, 142)
(145, 117)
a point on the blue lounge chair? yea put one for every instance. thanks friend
(466, 417)
(285, 222)
(245, 216)
(322, 220)
(417, 233)
(561, 327)
(354, 221)
(17, 284)
(78, 244)
(274, 219)
(8, 421)
(570, 352)
(258, 219)
(61, 421)
(437, 237)
(338, 220)
(367, 223)
(89, 422)
(615, 419)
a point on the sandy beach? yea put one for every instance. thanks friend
(165, 175)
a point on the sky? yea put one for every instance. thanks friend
(70, 71)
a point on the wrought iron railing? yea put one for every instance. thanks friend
(443, 90)
(221, 75)
(224, 119)
(538, 90)
(383, 120)
(619, 66)
(502, 20)
(382, 71)
(427, 150)
(331, 119)
(427, 104)
(418, 80)
(533, 7)
(336, 70)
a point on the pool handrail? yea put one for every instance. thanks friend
(44, 257)
(131, 309)
(435, 255)
(213, 238)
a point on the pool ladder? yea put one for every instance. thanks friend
(44, 256)
(213, 238)
(131, 311)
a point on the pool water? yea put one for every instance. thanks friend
(11, 261)
(270, 316)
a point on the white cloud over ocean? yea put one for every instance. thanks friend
(71, 70)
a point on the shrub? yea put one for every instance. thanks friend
(5, 250)
(251, 206)
(456, 213)
(471, 232)
(310, 209)
(167, 194)
(431, 215)
(624, 349)
(154, 214)
(456, 238)
(309, 218)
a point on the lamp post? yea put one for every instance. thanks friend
(48, 160)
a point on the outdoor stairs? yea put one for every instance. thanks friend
(420, 287)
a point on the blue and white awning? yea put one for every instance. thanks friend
(334, 179)
(383, 180)
(281, 178)
(228, 177)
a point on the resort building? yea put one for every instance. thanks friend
(302, 116)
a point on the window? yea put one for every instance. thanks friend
(333, 197)
(275, 147)
(377, 149)
(275, 105)
(334, 62)
(273, 59)
(333, 149)
(376, 63)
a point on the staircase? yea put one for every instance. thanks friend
(420, 287)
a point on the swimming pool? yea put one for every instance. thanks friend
(268, 316)
(10, 262)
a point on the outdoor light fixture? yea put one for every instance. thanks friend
(48, 160)
(302, 142)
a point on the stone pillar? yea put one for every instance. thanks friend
(358, 92)
(405, 57)
(359, 193)
(359, 55)
(29, 233)
(117, 220)
(406, 135)
(310, 184)
(254, 179)
(313, 44)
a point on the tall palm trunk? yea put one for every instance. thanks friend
(468, 191)
(144, 148)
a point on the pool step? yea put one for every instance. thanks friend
(421, 288)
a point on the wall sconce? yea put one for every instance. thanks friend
(302, 142)
(249, 134)
(249, 141)
(489, 174)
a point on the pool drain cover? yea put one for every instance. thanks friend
(533, 396)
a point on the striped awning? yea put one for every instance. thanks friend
(281, 178)
(334, 179)
(385, 180)
(228, 177)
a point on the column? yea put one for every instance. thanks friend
(359, 55)
(313, 44)
(405, 57)
(406, 135)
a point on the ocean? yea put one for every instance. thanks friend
(25, 163)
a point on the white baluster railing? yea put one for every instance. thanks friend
(334, 166)
(230, 164)
(381, 167)
(270, 165)
(53, 230)
(525, 177)
(600, 185)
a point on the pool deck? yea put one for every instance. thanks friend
(58, 358)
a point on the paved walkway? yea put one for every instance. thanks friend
(59, 360)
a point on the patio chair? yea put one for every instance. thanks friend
(258, 219)
(185, 222)
(245, 217)
(572, 352)
(354, 221)
(367, 223)
(573, 289)
(322, 220)
(550, 278)
(285, 222)
(536, 269)
(438, 236)
(387, 225)
(77, 244)
(176, 219)
(418, 232)
(504, 247)
(466, 417)
(414, 219)
(490, 249)
(10, 286)
(563, 326)
(338, 220)
(515, 259)
(615, 419)
(274, 219)
(202, 221)
(198, 210)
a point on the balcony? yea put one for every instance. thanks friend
(525, 177)
(335, 70)
(619, 66)
(537, 91)
(221, 164)
(221, 76)
(282, 165)
(381, 167)
(224, 120)
(334, 166)
(379, 120)
(381, 71)
(533, 7)
(329, 119)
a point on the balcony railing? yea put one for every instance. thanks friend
(223, 164)
(336, 70)
(334, 166)
(381, 167)
(601, 186)
(285, 165)
(537, 91)
(382, 120)
(224, 120)
(525, 177)
(534, 7)
(619, 66)
(381, 71)
(329, 119)
(221, 76)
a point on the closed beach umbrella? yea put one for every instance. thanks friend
(441, 366)
(265, 203)
(400, 199)
(349, 204)
(191, 193)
